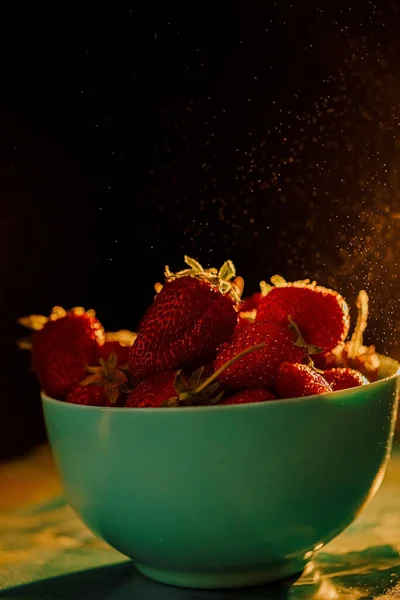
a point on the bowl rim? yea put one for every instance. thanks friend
(338, 395)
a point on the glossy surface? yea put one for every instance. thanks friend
(46, 552)
(224, 496)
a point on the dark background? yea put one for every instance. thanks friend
(267, 132)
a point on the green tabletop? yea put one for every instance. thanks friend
(46, 552)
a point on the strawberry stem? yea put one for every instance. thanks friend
(226, 365)
(356, 339)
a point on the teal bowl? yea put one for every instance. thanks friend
(225, 496)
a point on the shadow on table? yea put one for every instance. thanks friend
(362, 576)
(123, 582)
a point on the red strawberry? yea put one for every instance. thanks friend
(119, 342)
(261, 368)
(152, 392)
(344, 378)
(249, 396)
(174, 388)
(93, 395)
(295, 380)
(353, 354)
(61, 348)
(327, 360)
(250, 303)
(361, 358)
(248, 306)
(193, 314)
(171, 389)
(321, 314)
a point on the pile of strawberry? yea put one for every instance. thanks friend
(199, 343)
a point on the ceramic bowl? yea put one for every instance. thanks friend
(225, 496)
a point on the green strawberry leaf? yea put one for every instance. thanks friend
(180, 383)
(278, 281)
(195, 377)
(227, 271)
(193, 264)
(265, 288)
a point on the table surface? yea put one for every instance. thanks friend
(47, 553)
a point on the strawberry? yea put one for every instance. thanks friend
(344, 378)
(295, 380)
(250, 303)
(321, 314)
(119, 342)
(353, 354)
(248, 306)
(249, 396)
(153, 392)
(93, 395)
(193, 314)
(328, 360)
(363, 359)
(175, 388)
(261, 368)
(61, 346)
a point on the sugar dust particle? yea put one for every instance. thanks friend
(331, 158)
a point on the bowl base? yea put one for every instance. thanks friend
(224, 580)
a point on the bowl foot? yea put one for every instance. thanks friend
(226, 579)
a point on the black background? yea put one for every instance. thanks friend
(265, 132)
